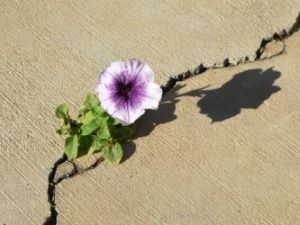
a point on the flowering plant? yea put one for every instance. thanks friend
(105, 120)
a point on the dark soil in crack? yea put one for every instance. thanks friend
(277, 36)
(52, 218)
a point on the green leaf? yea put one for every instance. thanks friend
(97, 110)
(83, 110)
(65, 129)
(91, 101)
(74, 130)
(87, 117)
(98, 145)
(91, 126)
(71, 147)
(113, 122)
(113, 153)
(104, 132)
(85, 144)
(62, 111)
(123, 133)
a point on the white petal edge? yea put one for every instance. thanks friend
(105, 99)
(153, 96)
(143, 70)
(147, 73)
(128, 116)
(115, 69)
(102, 92)
(133, 65)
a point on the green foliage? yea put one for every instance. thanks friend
(123, 133)
(64, 129)
(93, 131)
(113, 152)
(62, 111)
(71, 146)
(85, 145)
(91, 126)
(91, 101)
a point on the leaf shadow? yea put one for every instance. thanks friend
(129, 150)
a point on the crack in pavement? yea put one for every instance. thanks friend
(52, 218)
(277, 37)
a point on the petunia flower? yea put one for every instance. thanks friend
(126, 89)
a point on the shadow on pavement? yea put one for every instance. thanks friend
(248, 90)
(129, 150)
(164, 114)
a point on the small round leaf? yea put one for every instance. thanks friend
(113, 153)
(62, 111)
(71, 147)
(91, 126)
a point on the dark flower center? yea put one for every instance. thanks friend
(124, 89)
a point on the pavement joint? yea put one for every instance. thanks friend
(277, 37)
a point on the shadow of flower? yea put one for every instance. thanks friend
(164, 114)
(248, 90)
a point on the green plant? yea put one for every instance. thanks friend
(93, 131)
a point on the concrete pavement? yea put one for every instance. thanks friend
(216, 156)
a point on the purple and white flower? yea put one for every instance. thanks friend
(126, 89)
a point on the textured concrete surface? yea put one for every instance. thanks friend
(241, 169)
(226, 154)
(171, 35)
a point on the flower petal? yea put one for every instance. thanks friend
(142, 70)
(134, 65)
(104, 95)
(153, 96)
(126, 89)
(125, 113)
(114, 70)
(103, 92)
(128, 115)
